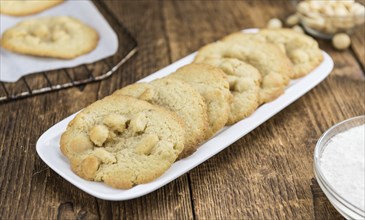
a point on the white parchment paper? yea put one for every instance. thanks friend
(13, 65)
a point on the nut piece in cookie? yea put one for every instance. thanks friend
(58, 37)
(99, 134)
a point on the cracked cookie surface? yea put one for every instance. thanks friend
(58, 37)
(179, 97)
(122, 141)
(26, 7)
(212, 84)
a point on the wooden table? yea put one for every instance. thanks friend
(267, 174)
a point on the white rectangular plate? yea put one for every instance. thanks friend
(48, 144)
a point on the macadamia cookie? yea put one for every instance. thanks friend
(26, 7)
(122, 141)
(244, 85)
(58, 37)
(274, 67)
(212, 84)
(302, 50)
(179, 97)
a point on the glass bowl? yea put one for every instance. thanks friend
(343, 206)
(322, 25)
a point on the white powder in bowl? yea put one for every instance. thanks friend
(342, 164)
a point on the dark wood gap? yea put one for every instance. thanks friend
(358, 60)
(163, 27)
(191, 197)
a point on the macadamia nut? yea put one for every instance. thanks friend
(274, 23)
(99, 134)
(297, 28)
(292, 20)
(115, 122)
(341, 41)
(330, 16)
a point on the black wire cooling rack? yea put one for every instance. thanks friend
(43, 82)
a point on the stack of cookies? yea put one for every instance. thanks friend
(134, 135)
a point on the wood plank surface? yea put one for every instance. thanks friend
(267, 174)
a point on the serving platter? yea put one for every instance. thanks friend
(49, 151)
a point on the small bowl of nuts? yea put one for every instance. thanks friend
(326, 18)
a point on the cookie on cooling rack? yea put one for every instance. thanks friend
(26, 7)
(58, 37)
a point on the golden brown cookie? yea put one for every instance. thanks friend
(58, 37)
(122, 141)
(179, 97)
(268, 59)
(212, 84)
(26, 7)
(301, 49)
(244, 85)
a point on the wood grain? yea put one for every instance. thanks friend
(358, 39)
(322, 207)
(267, 174)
